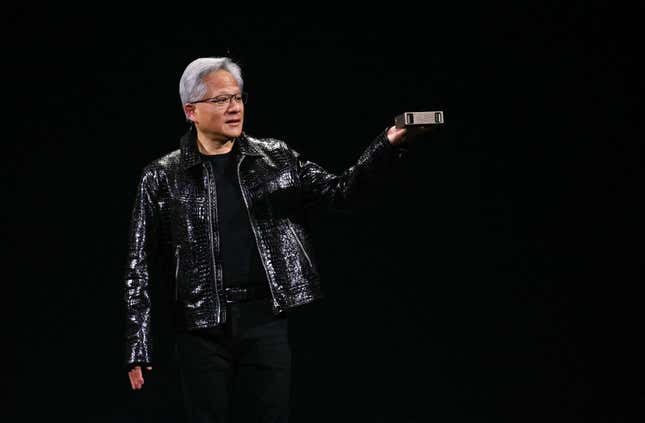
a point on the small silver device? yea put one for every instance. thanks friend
(411, 119)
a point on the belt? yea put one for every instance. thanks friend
(240, 294)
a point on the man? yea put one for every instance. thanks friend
(228, 210)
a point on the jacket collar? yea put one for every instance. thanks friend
(190, 153)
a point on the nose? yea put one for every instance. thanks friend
(233, 105)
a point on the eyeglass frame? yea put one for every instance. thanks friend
(224, 103)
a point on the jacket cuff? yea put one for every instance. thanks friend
(399, 151)
(143, 365)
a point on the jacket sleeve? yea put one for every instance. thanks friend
(141, 249)
(342, 191)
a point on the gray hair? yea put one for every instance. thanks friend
(191, 84)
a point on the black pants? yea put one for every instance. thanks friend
(240, 372)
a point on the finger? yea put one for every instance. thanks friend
(136, 377)
(133, 382)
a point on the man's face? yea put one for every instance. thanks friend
(221, 118)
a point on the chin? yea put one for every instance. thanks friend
(234, 134)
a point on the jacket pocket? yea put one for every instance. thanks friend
(302, 247)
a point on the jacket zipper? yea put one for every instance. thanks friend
(255, 234)
(177, 272)
(302, 247)
(222, 311)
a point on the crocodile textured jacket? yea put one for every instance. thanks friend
(175, 210)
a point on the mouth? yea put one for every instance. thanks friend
(233, 122)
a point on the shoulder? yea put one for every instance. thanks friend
(266, 144)
(157, 170)
(162, 164)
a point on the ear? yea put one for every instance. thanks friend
(189, 109)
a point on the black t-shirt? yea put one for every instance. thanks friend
(238, 251)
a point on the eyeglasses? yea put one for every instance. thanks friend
(223, 100)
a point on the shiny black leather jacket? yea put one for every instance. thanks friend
(175, 210)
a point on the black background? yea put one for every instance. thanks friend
(493, 278)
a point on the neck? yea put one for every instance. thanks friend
(211, 146)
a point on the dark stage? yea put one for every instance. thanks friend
(495, 277)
